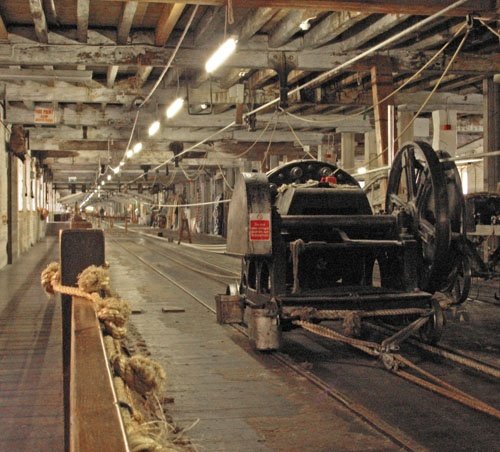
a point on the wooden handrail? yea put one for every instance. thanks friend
(96, 423)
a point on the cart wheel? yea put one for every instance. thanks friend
(431, 332)
(460, 281)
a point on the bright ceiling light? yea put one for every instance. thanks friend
(102, 182)
(137, 147)
(122, 163)
(220, 55)
(116, 170)
(174, 107)
(109, 177)
(129, 153)
(153, 128)
(362, 170)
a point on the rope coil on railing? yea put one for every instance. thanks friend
(138, 373)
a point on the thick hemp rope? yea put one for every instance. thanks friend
(94, 279)
(113, 313)
(51, 275)
(140, 373)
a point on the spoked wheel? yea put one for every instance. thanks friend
(460, 280)
(431, 332)
(417, 185)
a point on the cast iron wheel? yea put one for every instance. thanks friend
(431, 332)
(417, 185)
(460, 280)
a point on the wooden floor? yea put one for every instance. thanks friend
(31, 403)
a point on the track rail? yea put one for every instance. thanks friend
(391, 432)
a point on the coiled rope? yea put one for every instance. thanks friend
(137, 373)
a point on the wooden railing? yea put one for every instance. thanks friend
(95, 420)
(92, 421)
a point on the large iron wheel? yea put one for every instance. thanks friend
(417, 186)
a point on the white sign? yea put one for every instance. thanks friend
(45, 115)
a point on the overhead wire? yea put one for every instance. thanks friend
(330, 72)
(423, 105)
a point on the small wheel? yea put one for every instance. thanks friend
(460, 281)
(417, 185)
(431, 332)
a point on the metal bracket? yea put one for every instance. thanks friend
(283, 63)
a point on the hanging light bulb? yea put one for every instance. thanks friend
(174, 107)
(129, 153)
(102, 182)
(137, 147)
(122, 163)
(108, 177)
(221, 55)
(153, 128)
(116, 170)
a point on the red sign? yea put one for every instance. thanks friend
(260, 227)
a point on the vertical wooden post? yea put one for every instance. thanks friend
(79, 248)
(126, 224)
(382, 86)
(491, 124)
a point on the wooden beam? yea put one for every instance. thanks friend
(288, 26)
(144, 55)
(39, 21)
(382, 86)
(369, 32)
(50, 9)
(254, 22)
(331, 27)
(169, 16)
(125, 24)
(422, 7)
(142, 75)
(82, 19)
(4, 36)
(111, 74)
(491, 124)
(121, 117)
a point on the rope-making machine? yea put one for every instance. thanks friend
(312, 249)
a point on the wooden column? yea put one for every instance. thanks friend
(348, 147)
(445, 131)
(491, 126)
(382, 86)
(404, 118)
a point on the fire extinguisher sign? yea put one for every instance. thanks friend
(260, 227)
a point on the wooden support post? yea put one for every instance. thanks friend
(382, 86)
(491, 125)
(126, 224)
(78, 250)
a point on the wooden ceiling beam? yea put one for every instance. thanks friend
(111, 74)
(422, 7)
(169, 16)
(143, 55)
(331, 27)
(4, 36)
(41, 30)
(254, 22)
(289, 25)
(82, 19)
(125, 24)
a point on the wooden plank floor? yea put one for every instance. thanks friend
(31, 404)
